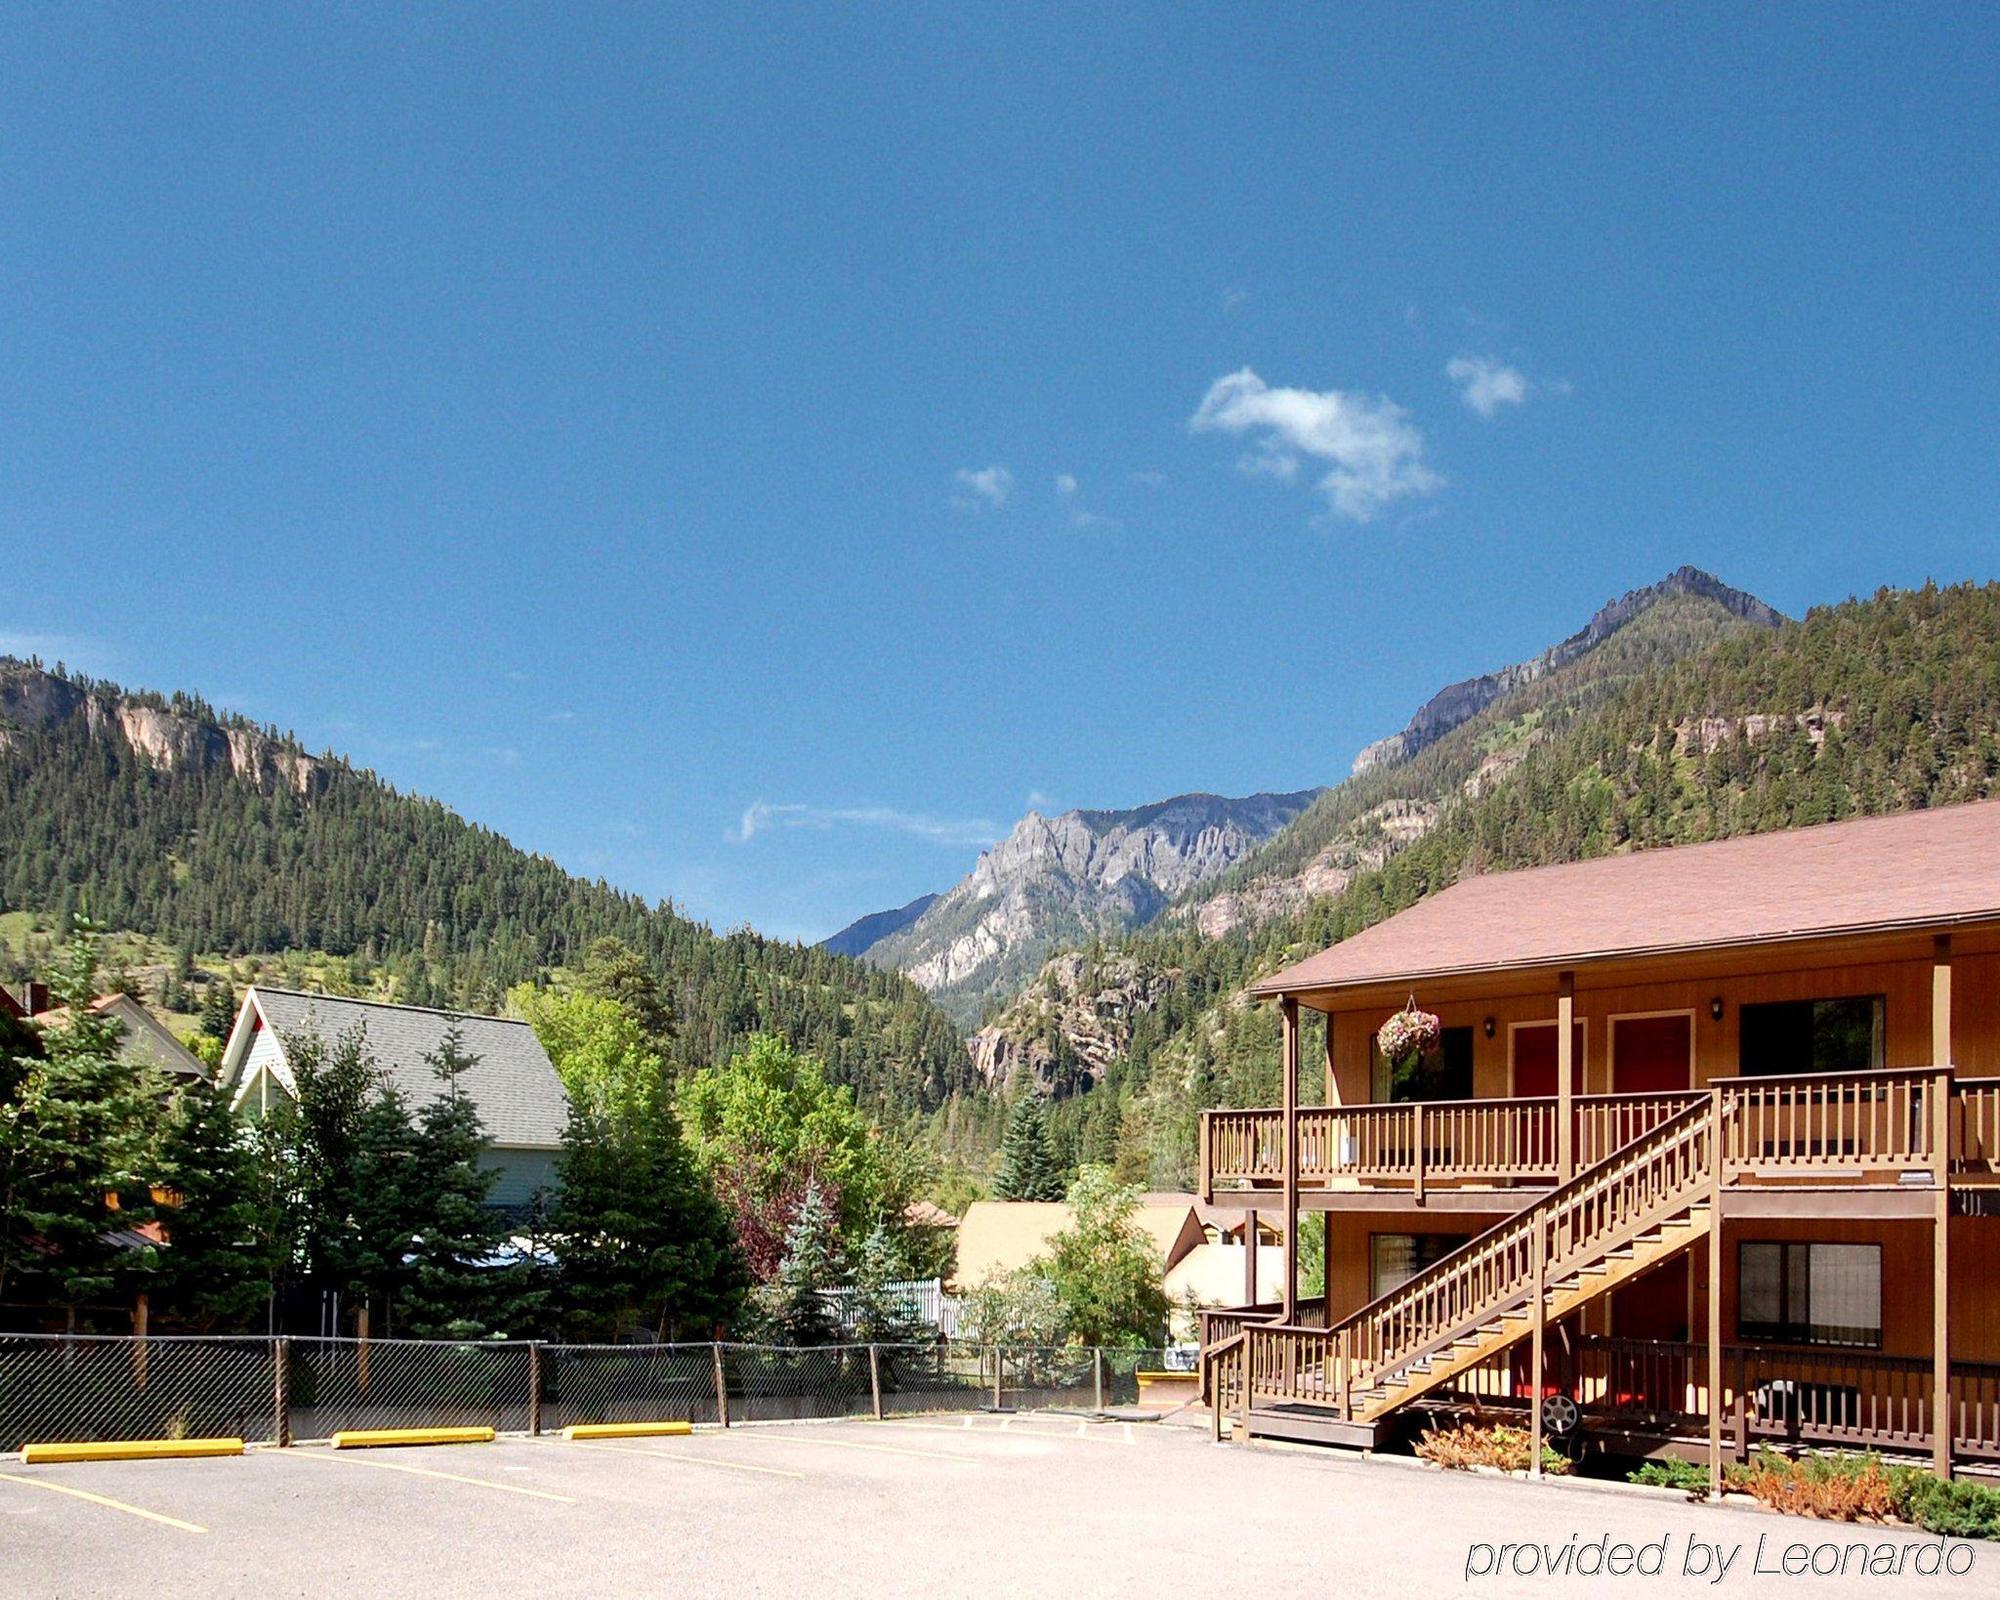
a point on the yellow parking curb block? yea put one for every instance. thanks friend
(129, 1450)
(371, 1438)
(626, 1430)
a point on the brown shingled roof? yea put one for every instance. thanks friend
(1913, 869)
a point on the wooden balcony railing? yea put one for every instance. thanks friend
(1813, 1124)
(1659, 1387)
(1975, 1126)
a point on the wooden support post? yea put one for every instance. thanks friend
(1565, 1070)
(281, 1392)
(361, 1348)
(1943, 1424)
(1288, 1014)
(141, 1316)
(1327, 1319)
(534, 1389)
(721, 1385)
(1206, 1170)
(875, 1381)
(1097, 1376)
(1538, 1349)
(1250, 1257)
(1715, 1270)
(998, 1386)
(1417, 1156)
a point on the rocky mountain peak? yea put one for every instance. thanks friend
(1460, 702)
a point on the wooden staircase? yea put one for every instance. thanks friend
(1642, 1205)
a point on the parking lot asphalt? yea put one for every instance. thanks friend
(1039, 1505)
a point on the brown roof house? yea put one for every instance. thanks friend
(1689, 1133)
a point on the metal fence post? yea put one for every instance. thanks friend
(721, 1388)
(534, 1388)
(875, 1379)
(998, 1357)
(1097, 1375)
(281, 1392)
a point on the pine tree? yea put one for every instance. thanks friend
(882, 1316)
(222, 1243)
(1028, 1166)
(75, 1149)
(218, 1008)
(458, 1288)
(793, 1305)
(641, 1240)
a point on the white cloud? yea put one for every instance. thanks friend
(991, 485)
(1066, 484)
(1486, 385)
(1377, 456)
(764, 817)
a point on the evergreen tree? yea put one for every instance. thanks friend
(222, 1242)
(75, 1149)
(613, 970)
(1028, 1166)
(793, 1306)
(459, 1287)
(641, 1240)
(882, 1316)
(218, 1008)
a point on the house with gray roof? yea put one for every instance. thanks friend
(513, 1083)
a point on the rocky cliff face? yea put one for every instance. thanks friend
(1460, 702)
(179, 740)
(1064, 1031)
(1069, 878)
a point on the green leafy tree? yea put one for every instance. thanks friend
(1104, 1270)
(76, 1136)
(1028, 1166)
(793, 1307)
(768, 1125)
(602, 1053)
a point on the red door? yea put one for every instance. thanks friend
(1650, 1055)
(1535, 1077)
(1535, 1059)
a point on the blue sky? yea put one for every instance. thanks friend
(628, 423)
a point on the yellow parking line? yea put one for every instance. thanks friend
(686, 1458)
(802, 1436)
(104, 1500)
(346, 1460)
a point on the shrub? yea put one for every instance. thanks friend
(1958, 1509)
(1470, 1445)
(1837, 1488)
(1672, 1474)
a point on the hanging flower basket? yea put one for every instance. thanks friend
(1409, 1034)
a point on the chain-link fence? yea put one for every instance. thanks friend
(85, 1387)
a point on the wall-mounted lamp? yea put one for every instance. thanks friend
(1715, 1009)
(1489, 1027)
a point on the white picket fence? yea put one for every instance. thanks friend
(923, 1300)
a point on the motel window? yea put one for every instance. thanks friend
(1811, 1036)
(1395, 1258)
(1444, 1074)
(1799, 1293)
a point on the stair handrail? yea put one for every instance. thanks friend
(1688, 1124)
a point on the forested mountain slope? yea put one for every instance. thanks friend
(1863, 707)
(162, 816)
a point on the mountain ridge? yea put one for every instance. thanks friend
(1079, 874)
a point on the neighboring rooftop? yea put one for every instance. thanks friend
(1909, 870)
(996, 1237)
(514, 1084)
